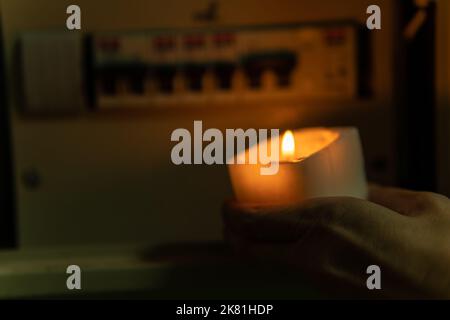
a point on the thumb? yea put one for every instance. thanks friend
(406, 202)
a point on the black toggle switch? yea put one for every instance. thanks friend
(165, 76)
(194, 75)
(282, 63)
(224, 75)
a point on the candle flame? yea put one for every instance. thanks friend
(288, 145)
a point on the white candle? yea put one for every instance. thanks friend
(314, 162)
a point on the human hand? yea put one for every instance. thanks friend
(333, 241)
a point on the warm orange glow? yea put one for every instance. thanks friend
(314, 140)
(288, 146)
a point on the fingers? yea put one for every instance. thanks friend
(264, 224)
(287, 224)
(324, 228)
(406, 202)
(327, 260)
(326, 238)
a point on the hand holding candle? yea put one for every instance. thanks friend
(314, 162)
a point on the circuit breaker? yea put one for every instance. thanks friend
(226, 66)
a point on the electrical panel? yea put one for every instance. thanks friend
(227, 66)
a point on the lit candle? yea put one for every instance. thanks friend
(314, 162)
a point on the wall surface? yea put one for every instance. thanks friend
(443, 96)
(107, 178)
